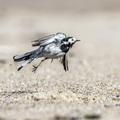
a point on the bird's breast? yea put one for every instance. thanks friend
(51, 51)
(64, 48)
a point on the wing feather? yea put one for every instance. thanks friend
(42, 40)
(65, 63)
(48, 39)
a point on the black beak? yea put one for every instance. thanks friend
(77, 41)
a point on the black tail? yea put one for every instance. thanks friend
(22, 57)
(27, 58)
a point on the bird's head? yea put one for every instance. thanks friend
(67, 43)
(70, 41)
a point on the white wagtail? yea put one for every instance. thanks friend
(50, 47)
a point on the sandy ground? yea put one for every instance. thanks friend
(89, 90)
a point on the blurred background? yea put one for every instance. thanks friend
(95, 22)
(92, 86)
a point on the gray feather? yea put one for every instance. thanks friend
(22, 57)
(23, 64)
(48, 39)
(42, 40)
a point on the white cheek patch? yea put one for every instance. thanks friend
(70, 41)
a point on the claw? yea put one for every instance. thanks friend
(34, 69)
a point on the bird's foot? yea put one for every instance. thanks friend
(34, 69)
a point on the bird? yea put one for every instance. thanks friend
(54, 46)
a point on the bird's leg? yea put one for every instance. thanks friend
(35, 67)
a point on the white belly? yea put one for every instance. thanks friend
(52, 52)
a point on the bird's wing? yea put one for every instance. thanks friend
(65, 63)
(42, 40)
(48, 39)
